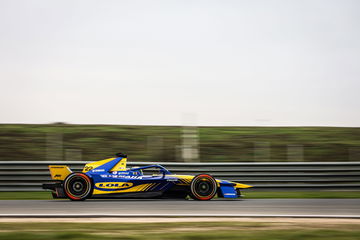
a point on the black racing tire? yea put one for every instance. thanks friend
(78, 187)
(203, 187)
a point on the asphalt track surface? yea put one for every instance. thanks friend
(240, 208)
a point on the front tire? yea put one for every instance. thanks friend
(203, 187)
(78, 186)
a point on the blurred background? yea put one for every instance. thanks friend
(183, 82)
(69, 142)
(82, 79)
(262, 92)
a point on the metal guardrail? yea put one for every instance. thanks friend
(29, 175)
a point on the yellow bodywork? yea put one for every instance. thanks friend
(59, 172)
(114, 185)
(120, 166)
(138, 188)
(240, 185)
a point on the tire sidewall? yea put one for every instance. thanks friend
(84, 196)
(195, 195)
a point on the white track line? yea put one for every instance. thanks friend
(171, 215)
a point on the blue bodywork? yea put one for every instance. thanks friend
(161, 182)
(110, 178)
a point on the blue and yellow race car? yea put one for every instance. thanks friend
(110, 178)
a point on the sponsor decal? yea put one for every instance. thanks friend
(88, 168)
(113, 185)
(99, 170)
(133, 177)
(120, 176)
(172, 180)
(57, 175)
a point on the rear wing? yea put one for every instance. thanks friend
(59, 172)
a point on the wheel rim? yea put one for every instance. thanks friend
(204, 187)
(77, 186)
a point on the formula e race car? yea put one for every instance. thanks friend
(110, 178)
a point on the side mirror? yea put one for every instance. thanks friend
(121, 155)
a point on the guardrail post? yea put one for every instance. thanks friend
(190, 144)
(155, 147)
(354, 154)
(73, 155)
(261, 151)
(295, 153)
(54, 146)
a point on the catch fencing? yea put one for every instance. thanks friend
(29, 175)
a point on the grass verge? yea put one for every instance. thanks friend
(189, 231)
(44, 195)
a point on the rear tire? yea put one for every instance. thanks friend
(78, 186)
(203, 187)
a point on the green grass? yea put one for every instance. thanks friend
(25, 195)
(248, 195)
(161, 143)
(178, 231)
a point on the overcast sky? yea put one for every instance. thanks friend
(263, 63)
